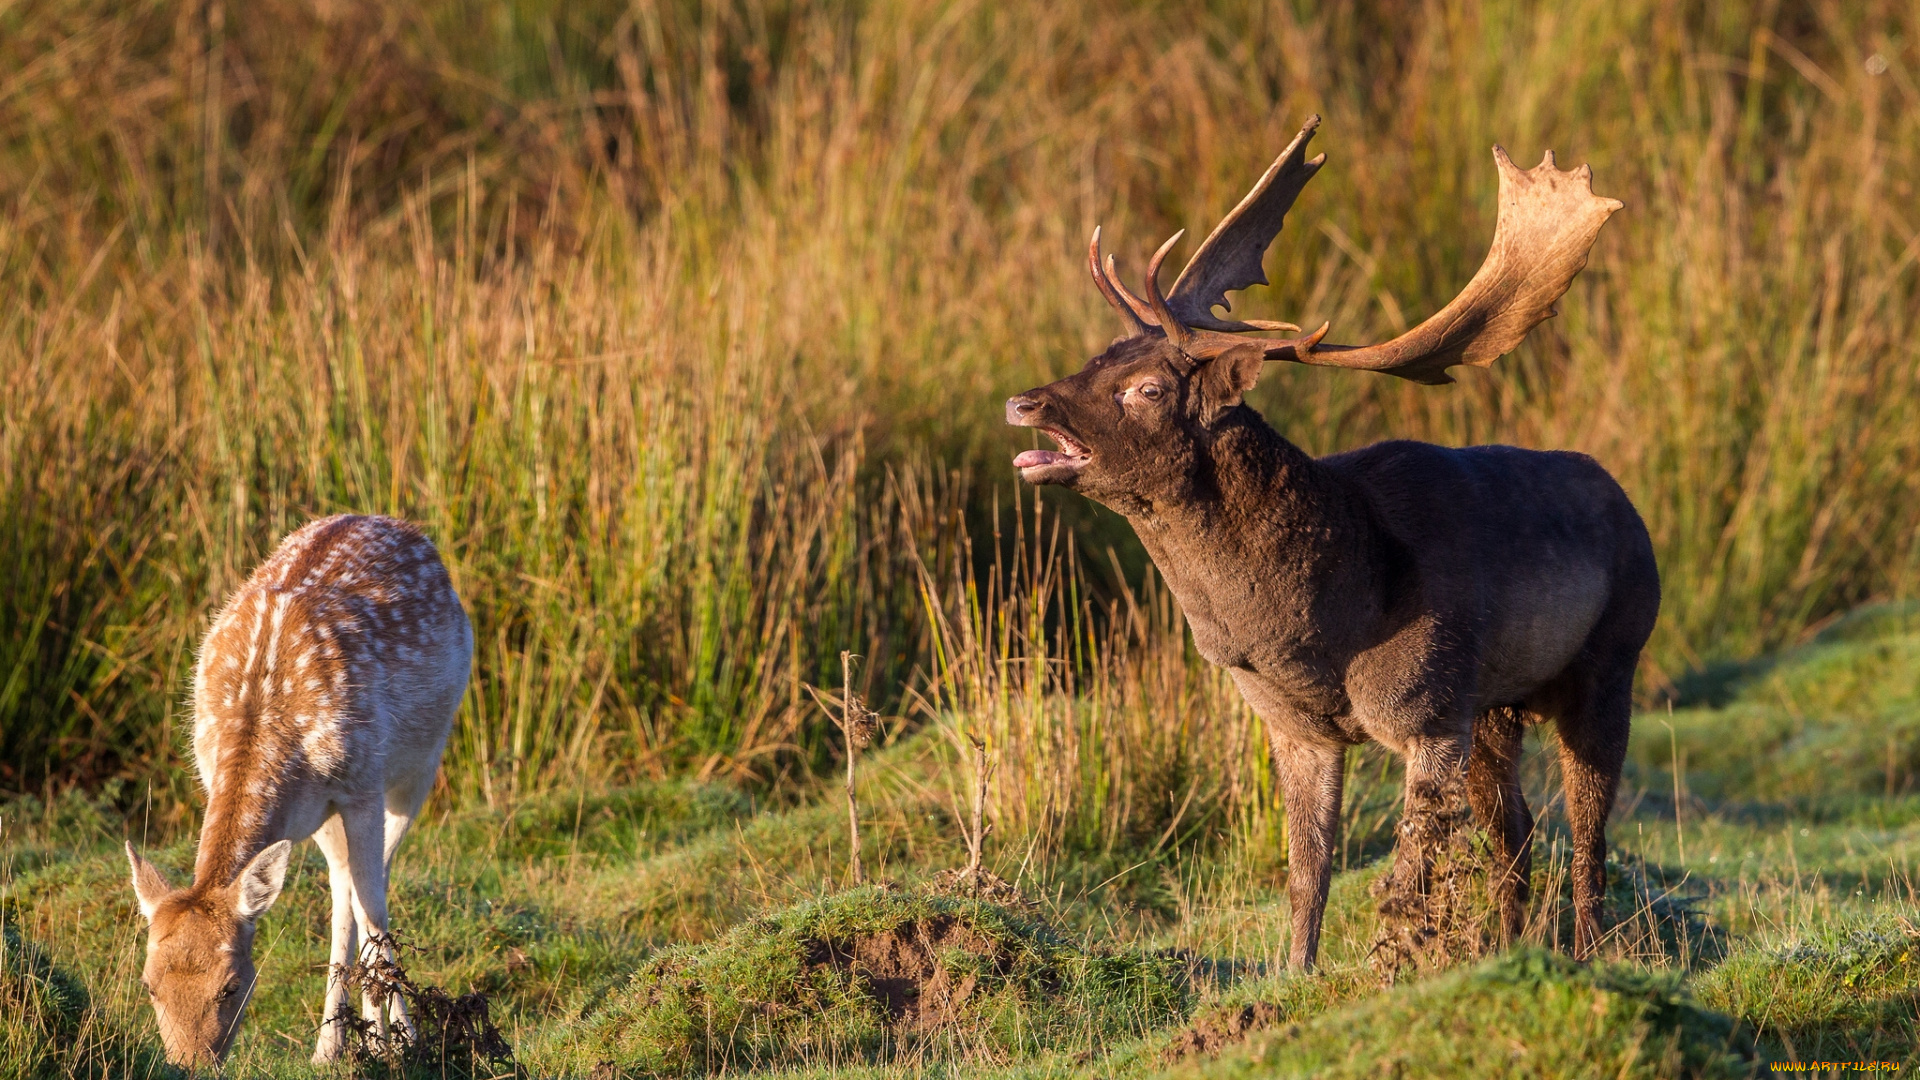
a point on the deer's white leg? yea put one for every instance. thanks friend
(365, 828)
(402, 806)
(332, 838)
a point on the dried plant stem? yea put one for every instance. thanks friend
(213, 127)
(977, 836)
(1679, 830)
(858, 724)
(847, 726)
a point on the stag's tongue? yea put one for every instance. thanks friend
(1029, 458)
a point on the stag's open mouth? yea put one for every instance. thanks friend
(1045, 466)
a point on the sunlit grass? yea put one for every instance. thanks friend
(682, 328)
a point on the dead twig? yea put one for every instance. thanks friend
(977, 836)
(858, 724)
(975, 879)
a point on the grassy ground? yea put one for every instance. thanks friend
(677, 928)
(682, 326)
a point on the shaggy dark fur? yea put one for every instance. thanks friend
(1434, 599)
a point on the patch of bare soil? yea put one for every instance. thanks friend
(1214, 1031)
(1433, 908)
(906, 968)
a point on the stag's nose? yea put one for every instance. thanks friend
(1021, 410)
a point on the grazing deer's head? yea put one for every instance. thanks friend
(1141, 412)
(199, 969)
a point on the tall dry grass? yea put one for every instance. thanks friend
(638, 306)
(1103, 733)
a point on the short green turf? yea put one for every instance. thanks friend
(674, 928)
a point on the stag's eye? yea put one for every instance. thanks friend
(1149, 390)
(144, 985)
(230, 989)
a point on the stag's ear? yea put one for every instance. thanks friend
(149, 884)
(258, 886)
(1223, 377)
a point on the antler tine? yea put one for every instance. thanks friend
(1141, 309)
(1172, 327)
(1241, 326)
(1136, 326)
(1548, 222)
(1298, 349)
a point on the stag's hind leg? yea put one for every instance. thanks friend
(1593, 746)
(1493, 790)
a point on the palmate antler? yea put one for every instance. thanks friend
(1547, 223)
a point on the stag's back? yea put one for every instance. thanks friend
(340, 660)
(1532, 549)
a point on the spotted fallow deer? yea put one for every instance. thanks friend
(322, 700)
(1433, 599)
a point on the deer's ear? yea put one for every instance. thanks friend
(1223, 378)
(149, 884)
(258, 886)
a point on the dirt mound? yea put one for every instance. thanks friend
(912, 968)
(878, 974)
(1214, 1031)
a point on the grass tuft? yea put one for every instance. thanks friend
(1840, 714)
(1525, 1013)
(1848, 990)
(50, 1026)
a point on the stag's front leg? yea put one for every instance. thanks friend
(1414, 921)
(1435, 796)
(1310, 783)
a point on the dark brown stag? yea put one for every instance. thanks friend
(1435, 599)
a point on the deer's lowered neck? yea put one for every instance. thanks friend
(243, 817)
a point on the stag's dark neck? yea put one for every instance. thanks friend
(1263, 545)
(1248, 484)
